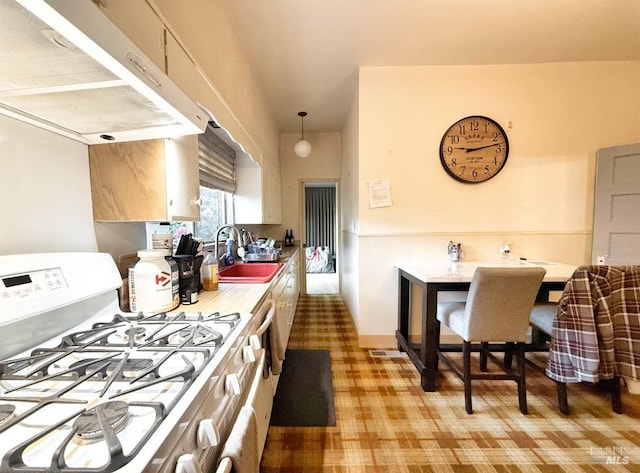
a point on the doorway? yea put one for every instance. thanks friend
(320, 237)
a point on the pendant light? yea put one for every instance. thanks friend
(303, 147)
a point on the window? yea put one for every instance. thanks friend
(217, 183)
(216, 210)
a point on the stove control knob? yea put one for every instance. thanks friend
(208, 435)
(187, 463)
(254, 341)
(232, 384)
(248, 354)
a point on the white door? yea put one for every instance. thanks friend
(616, 218)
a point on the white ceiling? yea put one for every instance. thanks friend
(306, 52)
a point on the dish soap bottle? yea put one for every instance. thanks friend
(228, 258)
(210, 272)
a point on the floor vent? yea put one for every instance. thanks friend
(386, 354)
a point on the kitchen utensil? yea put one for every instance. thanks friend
(182, 244)
(188, 284)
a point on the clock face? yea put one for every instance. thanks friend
(474, 149)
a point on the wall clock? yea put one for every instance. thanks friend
(474, 149)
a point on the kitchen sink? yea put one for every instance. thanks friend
(248, 272)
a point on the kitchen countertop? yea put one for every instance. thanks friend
(240, 297)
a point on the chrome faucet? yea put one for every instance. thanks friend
(239, 239)
(454, 251)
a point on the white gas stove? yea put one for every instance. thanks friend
(85, 387)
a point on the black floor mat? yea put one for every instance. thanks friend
(305, 391)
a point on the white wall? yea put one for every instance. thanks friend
(120, 239)
(45, 196)
(542, 200)
(349, 263)
(322, 164)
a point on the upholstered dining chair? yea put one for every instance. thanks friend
(497, 310)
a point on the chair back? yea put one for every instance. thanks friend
(499, 303)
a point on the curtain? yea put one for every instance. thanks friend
(321, 217)
(216, 161)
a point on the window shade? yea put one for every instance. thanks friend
(321, 217)
(217, 162)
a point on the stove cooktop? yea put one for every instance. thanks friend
(91, 400)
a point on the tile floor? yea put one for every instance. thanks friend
(386, 423)
(322, 283)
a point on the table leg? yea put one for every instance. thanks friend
(404, 303)
(428, 353)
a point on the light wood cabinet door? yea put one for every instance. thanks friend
(128, 181)
(140, 23)
(181, 69)
(137, 20)
(150, 180)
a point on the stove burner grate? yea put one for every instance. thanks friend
(13, 460)
(6, 412)
(89, 425)
(124, 368)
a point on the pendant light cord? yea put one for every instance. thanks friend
(302, 115)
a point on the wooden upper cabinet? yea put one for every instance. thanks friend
(140, 24)
(151, 180)
(181, 69)
(259, 194)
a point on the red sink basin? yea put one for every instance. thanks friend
(249, 272)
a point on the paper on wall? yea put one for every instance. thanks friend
(379, 193)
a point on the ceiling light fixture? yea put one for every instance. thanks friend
(303, 147)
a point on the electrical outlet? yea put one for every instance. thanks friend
(600, 260)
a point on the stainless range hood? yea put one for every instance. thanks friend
(66, 67)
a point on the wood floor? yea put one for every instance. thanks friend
(386, 423)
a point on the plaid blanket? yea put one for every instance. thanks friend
(596, 332)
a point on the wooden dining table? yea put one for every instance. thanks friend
(437, 277)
